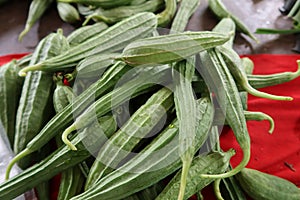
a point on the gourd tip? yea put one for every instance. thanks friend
(22, 73)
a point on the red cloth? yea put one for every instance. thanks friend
(273, 153)
(9, 57)
(279, 153)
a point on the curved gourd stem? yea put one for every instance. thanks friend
(87, 19)
(65, 139)
(24, 32)
(184, 174)
(258, 93)
(166, 16)
(234, 171)
(18, 157)
(250, 115)
(24, 71)
(216, 186)
(296, 73)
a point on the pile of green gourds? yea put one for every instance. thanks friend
(121, 111)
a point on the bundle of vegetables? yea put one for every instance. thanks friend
(106, 11)
(145, 116)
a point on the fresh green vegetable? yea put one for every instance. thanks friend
(36, 10)
(156, 161)
(84, 33)
(35, 104)
(112, 39)
(71, 183)
(185, 11)
(233, 63)
(94, 66)
(137, 2)
(130, 134)
(59, 160)
(63, 95)
(228, 97)
(185, 104)
(211, 163)
(67, 12)
(71, 180)
(247, 66)
(62, 119)
(10, 91)
(220, 10)
(117, 14)
(226, 25)
(144, 82)
(170, 48)
(100, 3)
(262, 186)
(261, 81)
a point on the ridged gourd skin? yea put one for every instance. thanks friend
(151, 166)
(110, 40)
(35, 105)
(10, 91)
(121, 144)
(211, 163)
(100, 3)
(61, 159)
(175, 47)
(262, 186)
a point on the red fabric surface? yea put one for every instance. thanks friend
(270, 153)
(9, 57)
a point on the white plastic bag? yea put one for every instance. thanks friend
(6, 155)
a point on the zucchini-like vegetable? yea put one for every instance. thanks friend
(233, 63)
(220, 10)
(262, 186)
(143, 83)
(63, 95)
(170, 48)
(67, 12)
(216, 162)
(222, 84)
(84, 33)
(226, 25)
(156, 161)
(140, 124)
(137, 2)
(185, 11)
(36, 10)
(117, 14)
(62, 119)
(61, 159)
(186, 112)
(100, 3)
(35, 104)
(261, 81)
(112, 39)
(185, 103)
(10, 91)
(94, 66)
(71, 183)
(72, 179)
